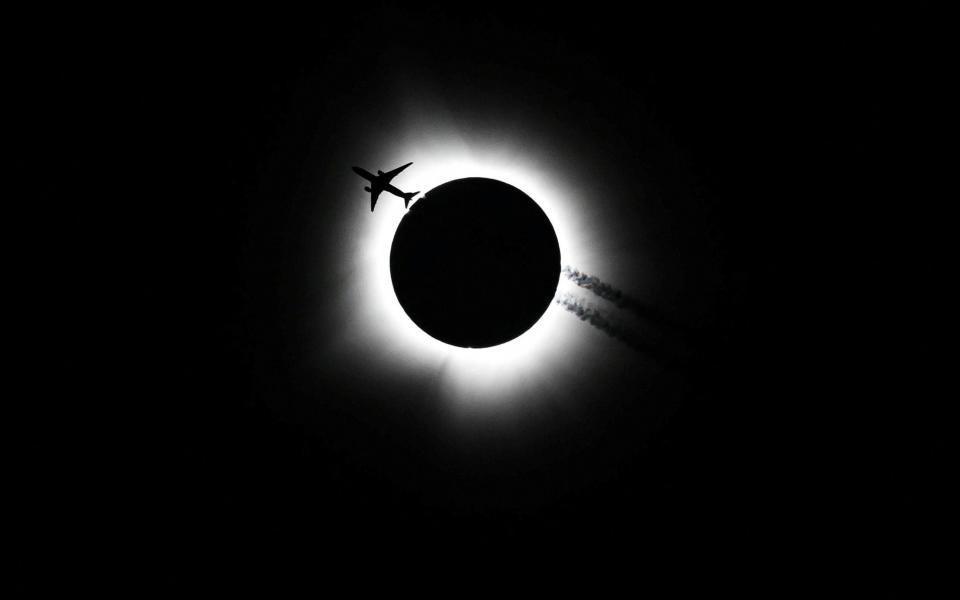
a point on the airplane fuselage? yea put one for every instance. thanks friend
(381, 182)
(366, 174)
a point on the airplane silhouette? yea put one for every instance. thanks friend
(381, 182)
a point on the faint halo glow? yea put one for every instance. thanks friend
(382, 330)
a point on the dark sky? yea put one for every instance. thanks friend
(198, 160)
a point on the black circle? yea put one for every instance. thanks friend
(475, 262)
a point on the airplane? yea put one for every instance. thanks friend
(381, 182)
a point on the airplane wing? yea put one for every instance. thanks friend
(391, 174)
(374, 195)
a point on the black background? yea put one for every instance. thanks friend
(162, 153)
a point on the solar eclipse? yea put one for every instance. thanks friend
(457, 238)
(436, 373)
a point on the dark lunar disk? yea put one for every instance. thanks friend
(475, 262)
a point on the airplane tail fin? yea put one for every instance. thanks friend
(408, 197)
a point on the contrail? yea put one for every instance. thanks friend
(655, 334)
(589, 282)
(618, 298)
(594, 316)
